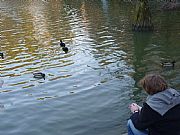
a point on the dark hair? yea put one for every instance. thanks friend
(153, 84)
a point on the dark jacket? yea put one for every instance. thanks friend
(160, 114)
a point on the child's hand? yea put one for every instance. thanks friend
(134, 107)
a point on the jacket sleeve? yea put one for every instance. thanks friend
(145, 118)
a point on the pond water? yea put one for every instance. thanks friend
(87, 90)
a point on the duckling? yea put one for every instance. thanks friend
(62, 44)
(168, 64)
(2, 55)
(65, 49)
(39, 75)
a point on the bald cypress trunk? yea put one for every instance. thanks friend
(142, 21)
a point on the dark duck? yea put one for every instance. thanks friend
(65, 49)
(62, 44)
(2, 55)
(39, 75)
(168, 64)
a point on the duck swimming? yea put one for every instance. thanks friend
(39, 75)
(62, 44)
(2, 55)
(168, 64)
(65, 49)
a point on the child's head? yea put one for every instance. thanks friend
(153, 84)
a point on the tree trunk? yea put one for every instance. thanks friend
(143, 17)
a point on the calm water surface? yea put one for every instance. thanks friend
(86, 91)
